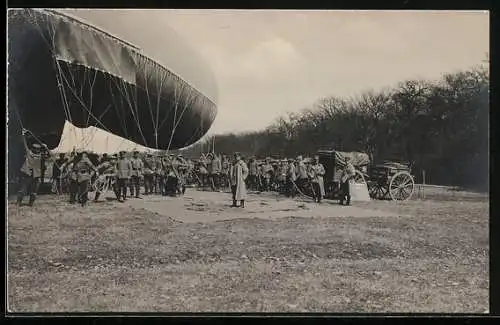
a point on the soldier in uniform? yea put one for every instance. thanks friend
(224, 179)
(316, 173)
(291, 177)
(31, 171)
(283, 167)
(149, 168)
(267, 173)
(171, 179)
(106, 168)
(83, 169)
(57, 173)
(203, 171)
(182, 166)
(252, 174)
(70, 177)
(346, 177)
(158, 166)
(135, 177)
(302, 177)
(215, 170)
(123, 172)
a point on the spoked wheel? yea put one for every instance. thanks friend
(401, 187)
(101, 184)
(359, 178)
(377, 191)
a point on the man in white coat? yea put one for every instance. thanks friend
(237, 177)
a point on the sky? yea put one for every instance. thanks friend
(262, 63)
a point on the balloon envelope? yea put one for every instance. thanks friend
(63, 69)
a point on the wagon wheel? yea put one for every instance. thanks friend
(101, 185)
(359, 178)
(377, 191)
(401, 186)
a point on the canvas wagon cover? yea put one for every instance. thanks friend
(334, 162)
(358, 159)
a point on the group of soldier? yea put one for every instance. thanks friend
(125, 173)
(169, 175)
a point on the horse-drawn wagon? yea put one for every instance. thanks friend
(388, 180)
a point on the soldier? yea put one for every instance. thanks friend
(291, 177)
(148, 174)
(203, 171)
(283, 167)
(136, 175)
(106, 168)
(224, 179)
(171, 179)
(302, 177)
(158, 167)
(123, 172)
(71, 177)
(347, 176)
(83, 169)
(182, 167)
(267, 173)
(316, 173)
(237, 176)
(252, 174)
(215, 170)
(57, 173)
(31, 171)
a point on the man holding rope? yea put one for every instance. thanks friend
(31, 171)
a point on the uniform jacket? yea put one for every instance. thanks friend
(149, 166)
(267, 170)
(137, 167)
(252, 168)
(282, 172)
(302, 170)
(123, 168)
(216, 166)
(348, 173)
(33, 164)
(316, 173)
(107, 168)
(291, 175)
(83, 169)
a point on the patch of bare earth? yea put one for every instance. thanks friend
(107, 257)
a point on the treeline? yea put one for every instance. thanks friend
(438, 126)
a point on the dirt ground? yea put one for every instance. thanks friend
(196, 254)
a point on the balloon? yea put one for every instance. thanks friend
(60, 68)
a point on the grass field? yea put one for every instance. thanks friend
(417, 256)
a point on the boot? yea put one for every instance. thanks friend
(19, 200)
(32, 200)
(234, 204)
(242, 204)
